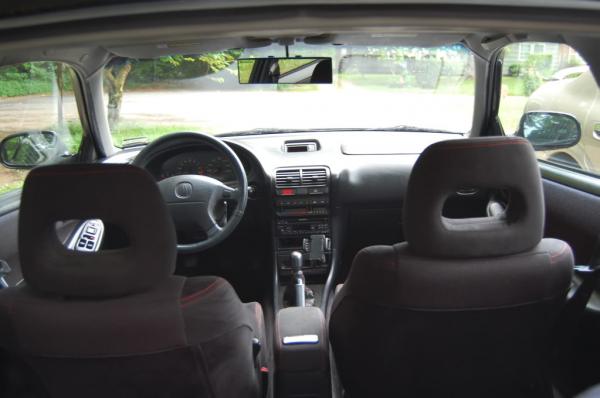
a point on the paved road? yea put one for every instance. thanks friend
(237, 110)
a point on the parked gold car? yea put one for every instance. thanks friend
(579, 97)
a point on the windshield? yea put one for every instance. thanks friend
(372, 87)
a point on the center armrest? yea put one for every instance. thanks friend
(301, 353)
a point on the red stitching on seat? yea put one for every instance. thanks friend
(191, 297)
(554, 256)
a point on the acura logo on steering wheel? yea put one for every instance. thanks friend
(183, 190)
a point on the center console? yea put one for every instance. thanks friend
(303, 253)
(302, 218)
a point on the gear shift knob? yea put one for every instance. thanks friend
(296, 257)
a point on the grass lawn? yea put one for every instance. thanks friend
(11, 186)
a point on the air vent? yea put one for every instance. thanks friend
(301, 146)
(287, 178)
(314, 176)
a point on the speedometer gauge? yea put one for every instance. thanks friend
(220, 168)
(189, 166)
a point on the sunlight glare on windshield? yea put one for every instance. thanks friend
(373, 87)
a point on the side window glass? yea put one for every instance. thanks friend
(550, 97)
(39, 120)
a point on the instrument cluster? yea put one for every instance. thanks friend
(200, 162)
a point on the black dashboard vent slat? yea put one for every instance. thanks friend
(288, 178)
(314, 176)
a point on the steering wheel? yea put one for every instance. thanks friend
(194, 200)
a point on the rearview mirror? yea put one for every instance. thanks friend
(549, 130)
(29, 149)
(296, 70)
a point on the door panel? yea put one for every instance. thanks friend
(574, 216)
(9, 250)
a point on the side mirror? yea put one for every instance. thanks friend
(549, 130)
(29, 149)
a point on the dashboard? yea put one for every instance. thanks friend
(367, 168)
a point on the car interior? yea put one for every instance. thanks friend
(299, 199)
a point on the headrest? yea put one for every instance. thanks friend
(502, 163)
(121, 195)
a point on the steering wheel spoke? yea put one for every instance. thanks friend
(210, 227)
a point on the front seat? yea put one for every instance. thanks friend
(464, 307)
(118, 323)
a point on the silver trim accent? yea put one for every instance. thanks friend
(301, 339)
(86, 229)
(4, 270)
(302, 177)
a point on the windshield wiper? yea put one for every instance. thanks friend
(261, 131)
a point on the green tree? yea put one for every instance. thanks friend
(123, 72)
(115, 76)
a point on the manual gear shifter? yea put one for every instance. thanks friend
(298, 280)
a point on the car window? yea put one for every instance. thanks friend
(37, 112)
(550, 96)
(372, 87)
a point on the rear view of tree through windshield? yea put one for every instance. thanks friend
(373, 87)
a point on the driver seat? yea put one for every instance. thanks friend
(117, 322)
